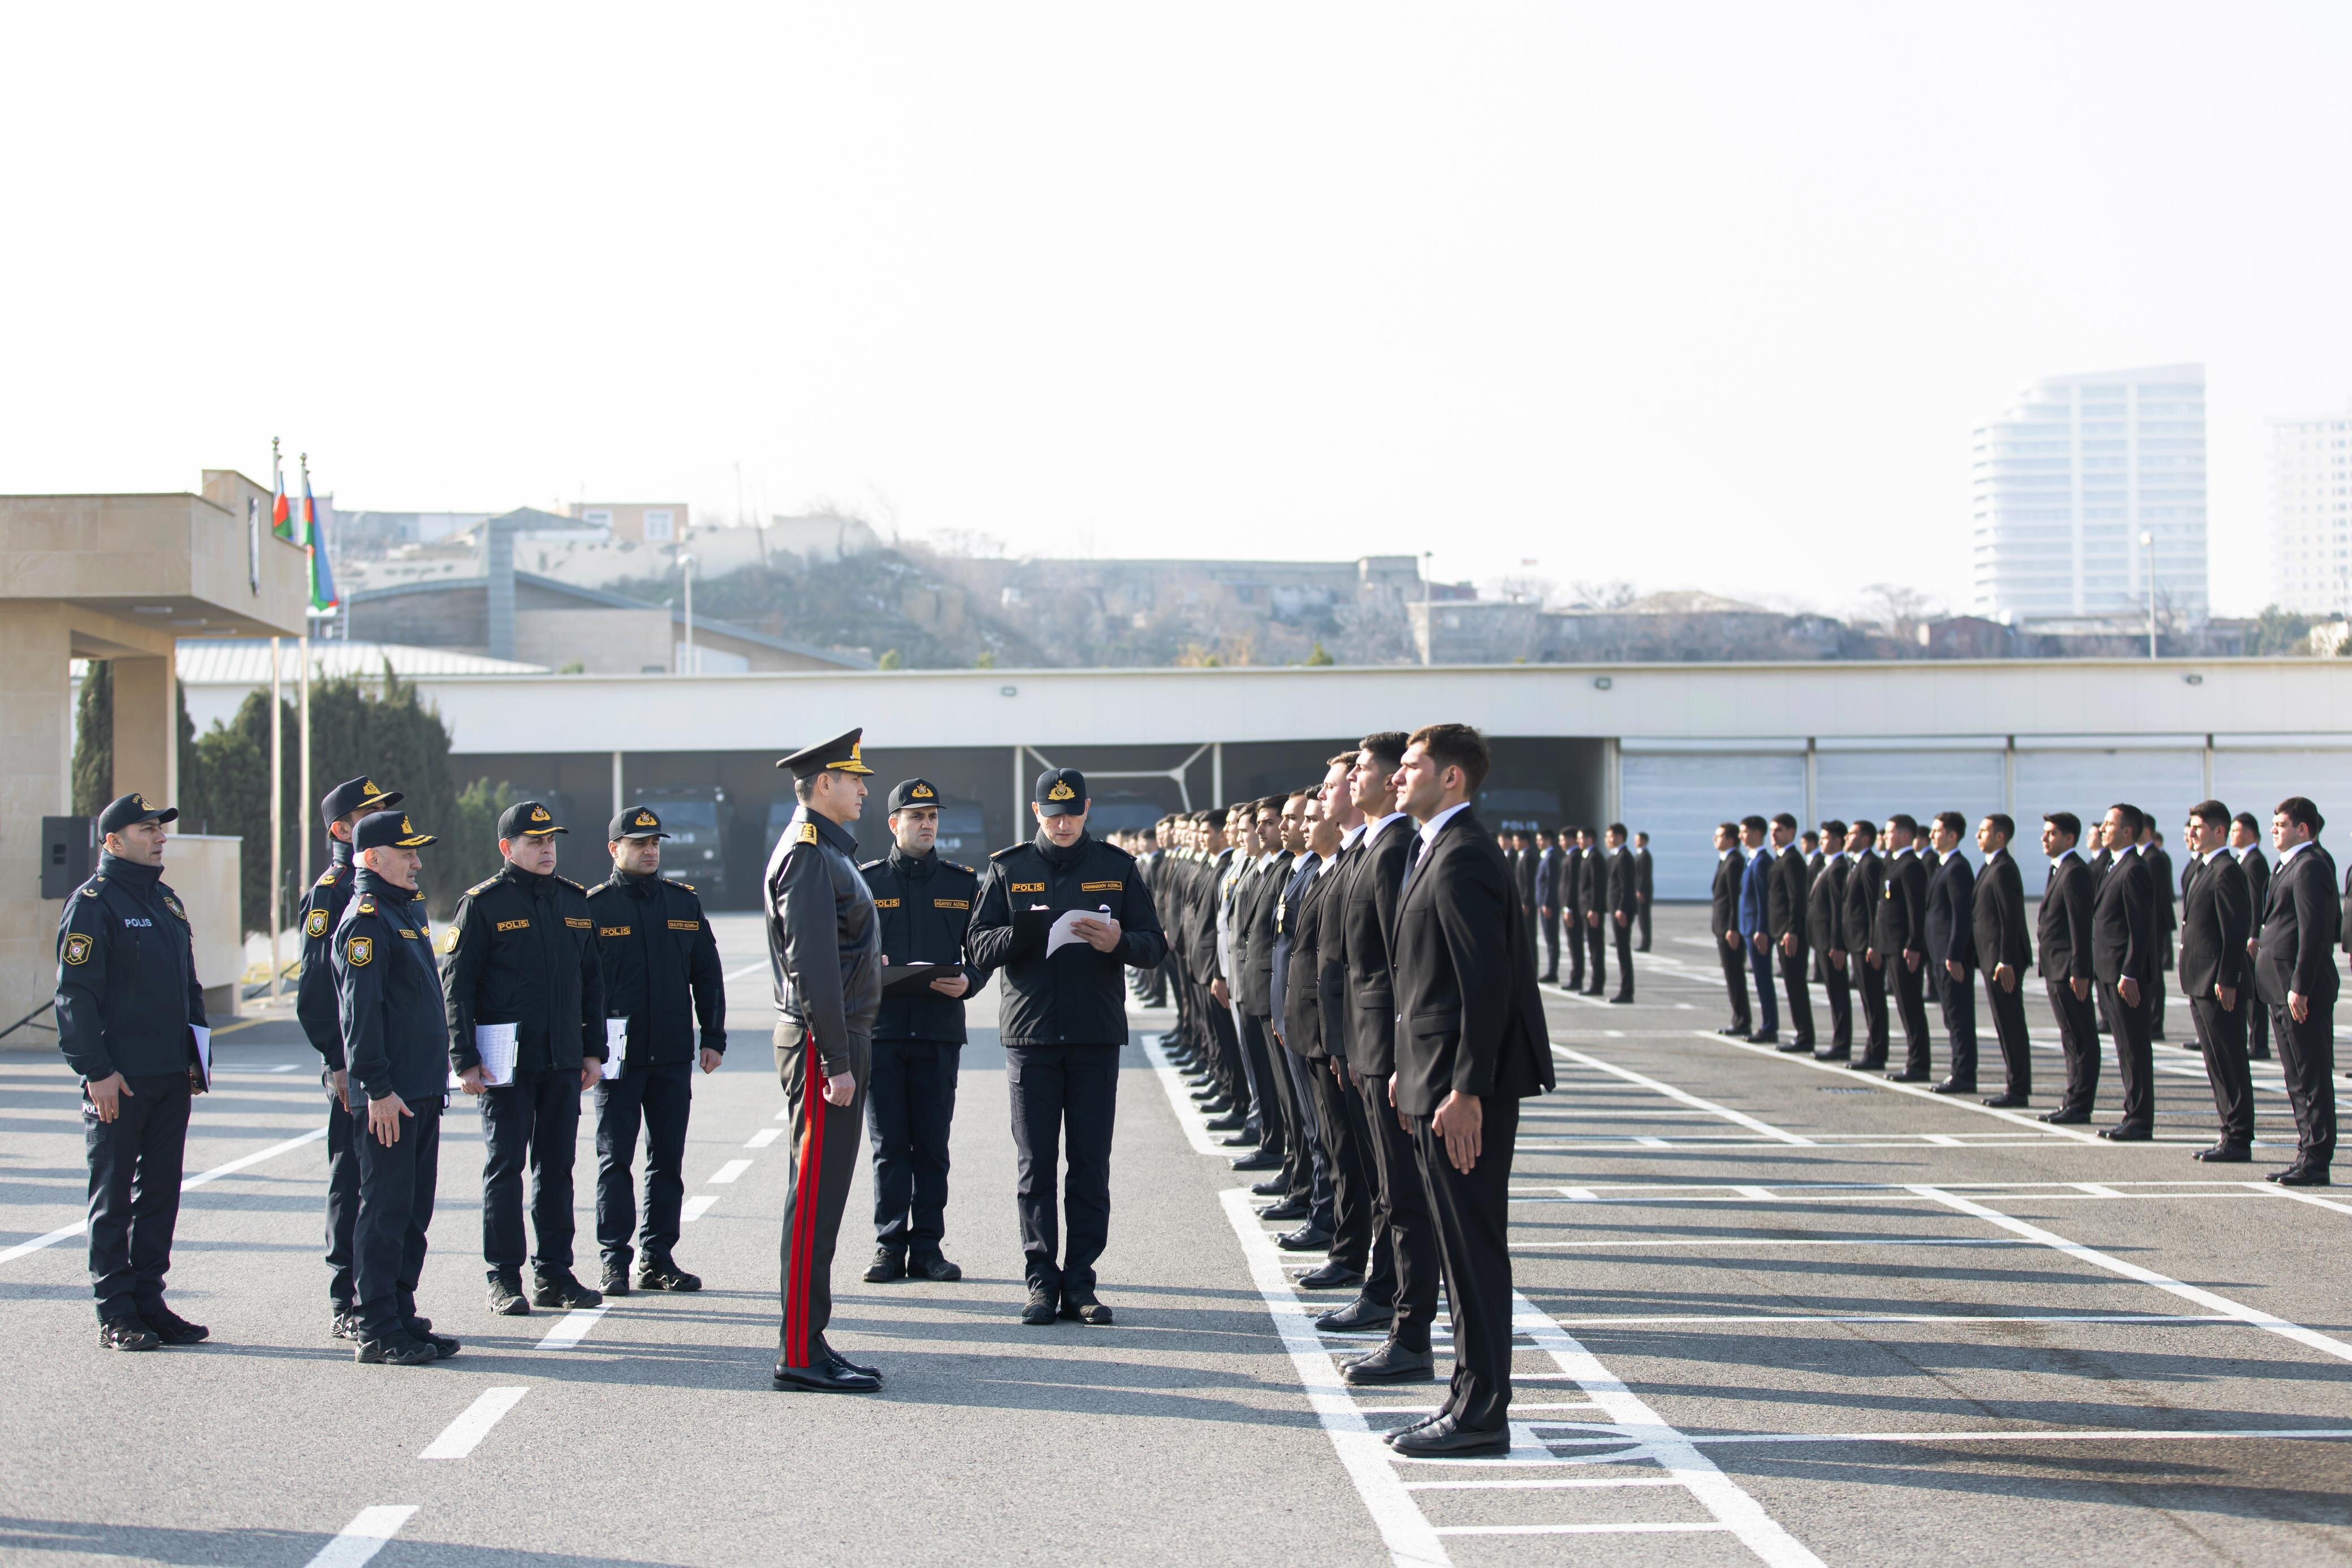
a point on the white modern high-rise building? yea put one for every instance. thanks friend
(2311, 515)
(2071, 477)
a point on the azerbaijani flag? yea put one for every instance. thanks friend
(281, 521)
(323, 597)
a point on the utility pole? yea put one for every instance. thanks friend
(2148, 543)
(689, 664)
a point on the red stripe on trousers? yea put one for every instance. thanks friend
(804, 1216)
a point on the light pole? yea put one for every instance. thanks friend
(2148, 543)
(689, 664)
(1428, 628)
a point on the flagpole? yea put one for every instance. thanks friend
(277, 824)
(302, 794)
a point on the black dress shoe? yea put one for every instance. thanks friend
(1736, 1030)
(2261, 1055)
(1835, 1054)
(126, 1333)
(1355, 1317)
(1906, 1076)
(560, 1289)
(1245, 1139)
(1765, 1037)
(1551, 980)
(1954, 1086)
(615, 1279)
(395, 1349)
(1288, 1209)
(1795, 1046)
(1305, 1238)
(2225, 1154)
(664, 1274)
(1867, 1064)
(1273, 1188)
(1041, 1307)
(2005, 1101)
(1448, 1437)
(1392, 1363)
(171, 1327)
(1082, 1307)
(823, 1352)
(2301, 1176)
(507, 1297)
(2062, 1117)
(1260, 1161)
(1228, 1122)
(1620, 1001)
(2127, 1133)
(822, 1377)
(1332, 1276)
(934, 1267)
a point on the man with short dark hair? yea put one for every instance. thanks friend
(1825, 936)
(1784, 927)
(1594, 898)
(1899, 935)
(1866, 889)
(1623, 904)
(2167, 921)
(2004, 951)
(1755, 923)
(2123, 955)
(1952, 949)
(2215, 916)
(1644, 888)
(2063, 941)
(1579, 848)
(2295, 970)
(1723, 920)
(1548, 862)
(2246, 846)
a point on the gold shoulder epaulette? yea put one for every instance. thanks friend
(482, 886)
(570, 883)
(687, 885)
(808, 833)
(870, 865)
(326, 877)
(367, 903)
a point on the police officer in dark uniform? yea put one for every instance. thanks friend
(1064, 1019)
(925, 903)
(521, 950)
(824, 946)
(662, 977)
(393, 1029)
(127, 1004)
(315, 1007)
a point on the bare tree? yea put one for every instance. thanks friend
(1614, 595)
(1899, 609)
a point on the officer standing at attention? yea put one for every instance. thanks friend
(925, 903)
(521, 950)
(391, 1020)
(662, 977)
(825, 944)
(1063, 1023)
(315, 1007)
(126, 1002)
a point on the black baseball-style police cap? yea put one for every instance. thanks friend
(1061, 792)
(528, 820)
(379, 829)
(134, 807)
(634, 823)
(357, 795)
(914, 792)
(839, 755)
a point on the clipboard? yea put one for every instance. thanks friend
(903, 979)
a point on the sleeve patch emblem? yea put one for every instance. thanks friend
(449, 940)
(360, 951)
(514, 925)
(315, 924)
(1028, 887)
(614, 930)
(1099, 886)
(76, 948)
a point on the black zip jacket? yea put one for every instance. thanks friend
(316, 1006)
(661, 967)
(389, 1011)
(1073, 997)
(925, 903)
(127, 986)
(521, 949)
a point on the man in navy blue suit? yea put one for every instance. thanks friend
(1755, 907)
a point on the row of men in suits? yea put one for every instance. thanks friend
(1903, 911)
(1598, 886)
(1354, 975)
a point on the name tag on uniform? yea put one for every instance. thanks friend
(685, 925)
(886, 904)
(951, 903)
(1028, 887)
(614, 930)
(514, 925)
(576, 923)
(1098, 886)
(405, 931)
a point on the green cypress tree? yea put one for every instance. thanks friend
(93, 757)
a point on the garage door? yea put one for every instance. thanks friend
(1875, 785)
(1678, 796)
(2257, 781)
(2087, 782)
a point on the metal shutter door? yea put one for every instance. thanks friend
(1678, 796)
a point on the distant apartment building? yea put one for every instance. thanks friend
(2310, 514)
(2068, 479)
(640, 522)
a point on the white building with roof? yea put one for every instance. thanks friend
(2310, 514)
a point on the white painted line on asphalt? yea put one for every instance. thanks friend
(1944, 1140)
(243, 1162)
(2273, 1189)
(785, 1114)
(1410, 1542)
(2313, 1338)
(1548, 1483)
(1180, 1099)
(1960, 1102)
(1626, 1529)
(1740, 1118)
(1766, 1319)
(2116, 1434)
(1897, 1192)
(764, 1137)
(696, 1207)
(2095, 1189)
(460, 1437)
(364, 1536)
(1654, 1143)
(571, 1328)
(746, 969)
(1776, 1241)
(728, 1172)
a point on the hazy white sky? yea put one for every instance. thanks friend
(1702, 295)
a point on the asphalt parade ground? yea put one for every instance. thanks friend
(1771, 1309)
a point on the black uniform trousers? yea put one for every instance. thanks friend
(1350, 1162)
(1314, 1184)
(2010, 1032)
(1956, 997)
(1838, 986)
(2153, 998)
(1266, 1117)
(1551, 946)
(909, 1109)
(657, 1099)
(531, 1124)
(2134, 1060)
(1623, 937)
(1734, 958)
(1911, 1006)
(824, 1156)
(1064, 1099)
(1474, 1240)
(2078, 1041)
(1642, 923)
(1404, 1275)
(1759, 968)
(2258, 1025)
(134, 1190)
(2306, 1053)
(1575, 924)
(1596, 948)
(1870, 984)
(1800, 999)
(2222, 1036)
(342, 1199)
(1223, 1048)
(393, 1210)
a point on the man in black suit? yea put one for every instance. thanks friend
(1784, 924)
(2294, 970)
(1300, 1010)
(1952, 948)
(2005, 952)
(1825, 935)
(1523, 880)
(1471, 1044)
(2168, 922)
(1548, 859)
(1279, 827)
(1645, 876)
(2122, 957)
(1622, 908)
(1575, 844)
(2246, 845)
(2216, 915)
(2063, 938)
(1723, 919)
(1898, 938)
(1594, 897)
(1866, 889)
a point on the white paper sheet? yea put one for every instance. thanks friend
(616, 1041)
(496, 1044)
(1064, 930)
